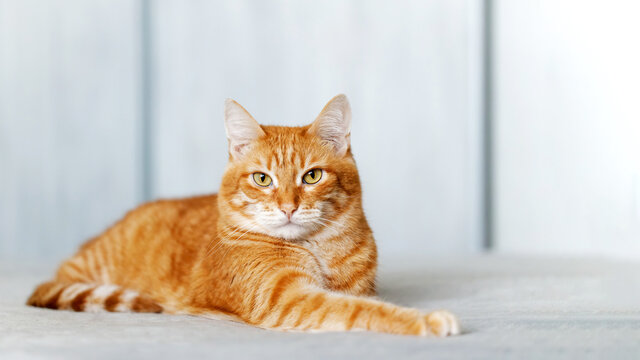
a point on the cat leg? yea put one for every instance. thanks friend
(90, 298)
(300, 308)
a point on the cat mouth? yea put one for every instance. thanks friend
(289, 224)
(288, 230)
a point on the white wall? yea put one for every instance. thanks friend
(69, 159)
(411, 70)
(567, 127)
(71, 111)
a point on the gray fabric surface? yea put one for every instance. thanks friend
(509, 307)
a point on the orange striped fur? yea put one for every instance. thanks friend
(292, 255)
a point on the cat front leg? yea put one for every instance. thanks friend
(309, 309)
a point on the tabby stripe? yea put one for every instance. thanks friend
(71, 291)
(52, 303)
(354, 251)
(288, 307)
(140, 304)
(364, 270)
(77, 304)
(107, 260)
(73, 272)
(324, 314)
(354, 315)
(277, 291)
(113, 300)
(90, 264)
(97, 265)
(278, 156)
(367, 326)
(279, 245)
(314, 304)
(292, 156)
(251, 267)
(282, 284)
(104, 277)
(352, 279)
(288, 247)
(74, 266)
(269, 162)
(381, 311)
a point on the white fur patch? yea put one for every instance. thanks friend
(126, 300)
(240, 198)
(332, 229)
(72, 291)
(102, 292)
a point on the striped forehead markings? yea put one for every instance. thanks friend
(285, 157)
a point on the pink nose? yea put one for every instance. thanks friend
(288, 209)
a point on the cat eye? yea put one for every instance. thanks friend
(262, 179)
(312, 176)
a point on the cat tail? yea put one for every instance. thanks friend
(91, 298)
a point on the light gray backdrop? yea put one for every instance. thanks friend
(567, 127)
(106, 104)
(77, 109)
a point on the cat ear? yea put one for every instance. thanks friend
(241, 128)
(333, 125)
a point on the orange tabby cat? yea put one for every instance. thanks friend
(285, 245)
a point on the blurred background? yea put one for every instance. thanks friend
(479, 126)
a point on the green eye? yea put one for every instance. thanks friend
(262, 179)
(312, 176)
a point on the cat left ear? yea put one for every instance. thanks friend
(333, 125)
(241, 128)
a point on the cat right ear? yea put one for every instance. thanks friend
(241, 128)
(333, 125)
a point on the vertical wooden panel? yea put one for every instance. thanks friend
(568, 127)
(410, 68)
(69, 163)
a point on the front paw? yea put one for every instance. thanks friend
(442, 323)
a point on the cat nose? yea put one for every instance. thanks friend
(288, 209)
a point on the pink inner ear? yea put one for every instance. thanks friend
(238, 148)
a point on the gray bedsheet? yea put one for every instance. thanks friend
(509, 307)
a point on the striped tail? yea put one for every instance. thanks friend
(91, 298)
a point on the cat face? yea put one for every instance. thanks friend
(289, 182)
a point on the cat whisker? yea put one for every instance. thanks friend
(252, 227)
(212, 245)
(219, 243)
(331, 221)
(321, 223)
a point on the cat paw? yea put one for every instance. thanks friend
(442, 323)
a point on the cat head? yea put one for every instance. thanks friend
(289, 182)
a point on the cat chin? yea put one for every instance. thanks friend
(288, 231)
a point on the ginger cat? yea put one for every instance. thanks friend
(284, 245)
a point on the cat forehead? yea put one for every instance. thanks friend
(286, 136)
(285, 147)
(276, 158)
